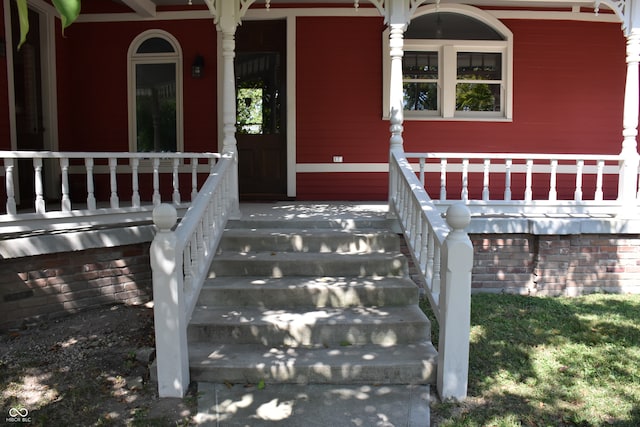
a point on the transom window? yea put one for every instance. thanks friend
(155, 93)
(456, 65)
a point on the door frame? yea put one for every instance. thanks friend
(290, 103)
(48, 81)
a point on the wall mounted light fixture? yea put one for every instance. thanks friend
(197, 68)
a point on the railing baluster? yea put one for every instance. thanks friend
(9, 168)
(528, 192)
(64, 169)
(113, 166)
(194, 178)
(156, 182)
(485, 180)
(428, 271)
(443, 179)
(464, 195)
(175, 180)
(507, 179)
(577, 196)
(598, 195)
(91, 199)
(553, 194)
(37, 167)
(422, 164)
(435, 283)
(135, 184)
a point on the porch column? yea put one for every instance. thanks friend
(628, 174)
(396, 93)
(228, 16)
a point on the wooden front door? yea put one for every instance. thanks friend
(260, 67)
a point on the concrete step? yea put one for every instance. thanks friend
(280, 264)
(300, 240)
(413, 363)
(299, 327)
(312, 292)
(379, 223)
(312, 405)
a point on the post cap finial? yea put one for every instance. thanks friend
(165, 216)
(458, 216)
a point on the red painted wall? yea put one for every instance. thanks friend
(92, 86)
(568, 86)
(339, 105)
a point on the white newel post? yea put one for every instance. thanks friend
(455, 306)
(628, 178)
(172, 355)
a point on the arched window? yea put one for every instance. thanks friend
(457, 65)
(155, 93)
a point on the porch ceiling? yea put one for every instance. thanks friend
(147, 7)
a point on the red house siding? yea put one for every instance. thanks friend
(339, 105)
(568, 89)
(93, 90)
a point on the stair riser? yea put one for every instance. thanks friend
(362, 243)
(307, 297)
(356, 267)
(301, 335)
(322, 374)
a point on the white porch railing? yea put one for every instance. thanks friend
(523, 183)
(444, 259)
(180, 262)
(54, 173)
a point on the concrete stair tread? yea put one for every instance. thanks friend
(308, 291)
(279, 264)
(311, 316)
(299, 326)
(413, 363)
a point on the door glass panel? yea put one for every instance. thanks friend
(156, 107)
(258, 98)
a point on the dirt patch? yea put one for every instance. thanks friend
(91, 368)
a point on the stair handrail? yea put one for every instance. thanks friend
(180, 261)
(443, 253)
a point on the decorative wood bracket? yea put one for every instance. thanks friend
(398, 9)
(620, 8)
(240, 7)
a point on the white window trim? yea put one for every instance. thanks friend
(446, 111)
(134, 59)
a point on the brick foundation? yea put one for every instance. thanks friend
(42, 287)
(556, 264)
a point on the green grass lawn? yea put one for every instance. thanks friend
(538, 361)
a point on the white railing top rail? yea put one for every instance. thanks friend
(517, 156)
(193, 222)
(423, 226)
(103, 155)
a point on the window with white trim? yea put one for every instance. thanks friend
(155, 93)
(456, 66)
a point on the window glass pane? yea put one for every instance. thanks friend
(479, 66)
(420, 65)
(477, 97)
(155, 45)
(156, 107)
(420, 96)
(451, 26)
